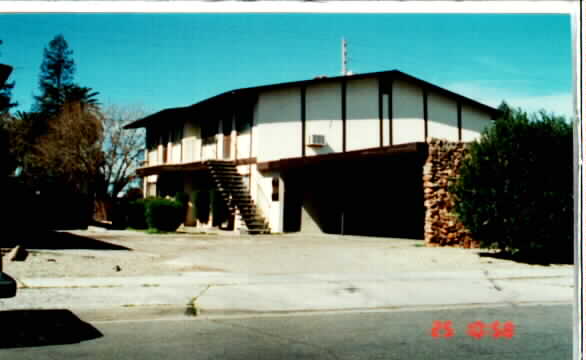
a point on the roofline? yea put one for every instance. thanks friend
(394, 74)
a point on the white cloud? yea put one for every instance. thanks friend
(558, 103)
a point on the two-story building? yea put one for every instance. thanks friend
(336, 155)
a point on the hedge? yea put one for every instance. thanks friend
(514, 192)
(164, 214)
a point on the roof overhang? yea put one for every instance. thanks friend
(417, 148)
(170, 168)
(173, 114)
(185, 167)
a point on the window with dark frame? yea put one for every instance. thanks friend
(176, 133)
(209, 130)
(244, 118)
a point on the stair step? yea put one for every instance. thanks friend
(241, 197)
(236, 185)
(220, 163)
(237, 196)
(220, 170)
(226, 176)
(256, 225)
(258, 228)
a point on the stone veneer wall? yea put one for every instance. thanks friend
(442, 227)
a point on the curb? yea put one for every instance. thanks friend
(237, 313)
(221, 278)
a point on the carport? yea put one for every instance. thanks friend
(374, 192)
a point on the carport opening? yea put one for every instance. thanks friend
(380, 196)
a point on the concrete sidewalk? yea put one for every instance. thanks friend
(207, 293)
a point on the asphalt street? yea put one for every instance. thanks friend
(523, 332)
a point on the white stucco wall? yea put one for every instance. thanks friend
(152, 157)
(323, 116)
(175, 153)
(362, 121)
(408, 124)
(190, 136)
(277, 133)
(243, 146)
(473, 122)
(160, 149)
(263, 189)
(210, 151)
(442, 120)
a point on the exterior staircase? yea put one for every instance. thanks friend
(229, 184)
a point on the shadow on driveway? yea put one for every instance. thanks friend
(530, 259)
(26, 328)
(57, 240)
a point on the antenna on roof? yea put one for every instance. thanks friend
(344, 58)
(345, 71)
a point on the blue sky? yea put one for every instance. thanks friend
(166, 60)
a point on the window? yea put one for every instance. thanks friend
(151, 139)
(209, 129)
(244, 118)
(176, 133)
(164, 137)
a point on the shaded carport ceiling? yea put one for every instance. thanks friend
(374, 192)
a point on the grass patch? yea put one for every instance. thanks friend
(150, 231)
(150, 285)
(139, 230)
(158, 232)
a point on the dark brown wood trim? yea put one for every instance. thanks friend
(343, 102)
(235, 136)
(186, 167)
(251, 132)
(303, 119)
(425, 120)
(391, 112)
(217, 141)
(246, 161)
(380, 113)
(350, 155)
(459, 121)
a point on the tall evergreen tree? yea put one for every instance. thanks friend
(6, 96)
(56, 80)
(57, 70)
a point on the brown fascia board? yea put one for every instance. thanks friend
(391, 74)
(299, 162)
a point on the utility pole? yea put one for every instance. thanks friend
(344, 58)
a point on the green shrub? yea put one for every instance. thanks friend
(514, 191)
(136, 214)
(182, 198)
(164, 214)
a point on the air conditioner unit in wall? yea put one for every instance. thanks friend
(316, 140)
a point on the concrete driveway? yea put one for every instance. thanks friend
(227, 274)
(98, 253)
